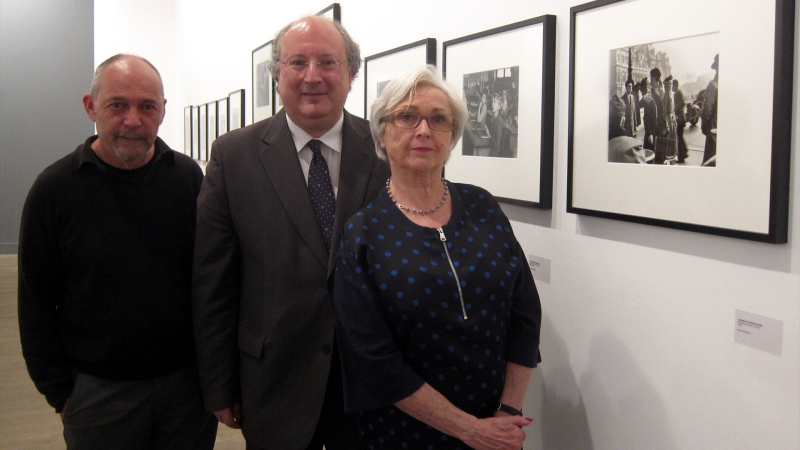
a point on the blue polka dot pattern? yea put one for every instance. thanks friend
(398, 305)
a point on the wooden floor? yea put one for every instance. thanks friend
(26, 420)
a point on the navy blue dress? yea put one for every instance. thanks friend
(400, 321)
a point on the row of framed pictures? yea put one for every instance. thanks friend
(202, 124)
(708, 154)
(507, 145)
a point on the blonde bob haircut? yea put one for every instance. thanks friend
(404, 85)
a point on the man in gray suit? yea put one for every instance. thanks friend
(270, 211)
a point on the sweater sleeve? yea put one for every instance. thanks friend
(526, 309)
(40, 288)
(374, 370)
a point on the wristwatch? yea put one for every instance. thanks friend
(509, 410)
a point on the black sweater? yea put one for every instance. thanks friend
(105, 261)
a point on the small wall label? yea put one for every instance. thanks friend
(759, 332)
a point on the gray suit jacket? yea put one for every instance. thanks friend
(262, 311)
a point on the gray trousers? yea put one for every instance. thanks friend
(162, 413)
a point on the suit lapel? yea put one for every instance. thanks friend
(358, 154)
(280, 161)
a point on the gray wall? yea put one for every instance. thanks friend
(46, 65)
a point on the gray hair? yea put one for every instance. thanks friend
(405, 84)
(95, 89)
(351, 47)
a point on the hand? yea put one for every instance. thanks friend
(498, 433)
(231, 416)
(64, 409)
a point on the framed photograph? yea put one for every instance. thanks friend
(202, 156)
(195, 132)
(380, 69)
(222, 116)
(507, 78)
(657, 136)
(236, 109)
(263, 93)
(187, 130)
(333, 12)
(211, 115)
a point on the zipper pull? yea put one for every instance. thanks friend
(441, 235)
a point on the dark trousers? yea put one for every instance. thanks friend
(163, 413)
(335, 429)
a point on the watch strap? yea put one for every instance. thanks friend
(509, 410)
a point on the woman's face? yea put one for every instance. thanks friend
(419, 149)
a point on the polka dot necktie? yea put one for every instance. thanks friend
(321, 190)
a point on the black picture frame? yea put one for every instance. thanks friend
(222, 116)
(187, 130)
(263, 92)
(195, 153)
(333, 12)
(211, 118)
(386, 65)
(236, 110)
(514, 161)
(746, 194)
(202, 120)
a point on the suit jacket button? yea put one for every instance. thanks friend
(326, 349)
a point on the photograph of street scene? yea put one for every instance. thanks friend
(492, 99)
(663, 102)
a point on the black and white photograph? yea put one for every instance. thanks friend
(222, 116)
(211, 118)
(187, 130)
(236, 110)
(195, 153)
(381, 85)
(506, 75)
(203, 133)
(492, 99)
(657, 136)
(662, 106)
(263, 87)
(262, 93)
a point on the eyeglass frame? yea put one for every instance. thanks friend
(390, 119)
(321, 65)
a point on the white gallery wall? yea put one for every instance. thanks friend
(638, 333)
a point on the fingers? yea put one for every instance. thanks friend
(237, 412)
(227, 417)
(500, 433)
(64, 410)
(520, 421)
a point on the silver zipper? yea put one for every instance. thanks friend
(453, 268)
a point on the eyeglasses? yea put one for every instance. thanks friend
(411, 119)
(299, 65)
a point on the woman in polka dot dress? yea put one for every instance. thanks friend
(438, 316)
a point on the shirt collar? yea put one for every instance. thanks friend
(332, 138)
(87, 156)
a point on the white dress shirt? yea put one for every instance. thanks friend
(331, 149)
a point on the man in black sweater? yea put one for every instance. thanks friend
(105, 259)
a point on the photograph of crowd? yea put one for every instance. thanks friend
(663, 102)
(492, 99)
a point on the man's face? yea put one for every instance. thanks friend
(314, 98)
(128, 110)
(628, 88)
